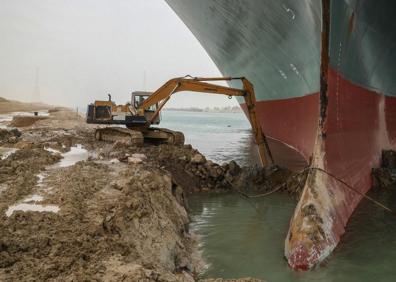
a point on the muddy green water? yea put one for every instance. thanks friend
(241, 238)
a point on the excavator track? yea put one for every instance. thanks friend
(175, 137)
(164, 136)
(114, 134)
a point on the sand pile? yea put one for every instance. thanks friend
(24, 121)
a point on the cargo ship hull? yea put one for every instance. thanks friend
(323, 72)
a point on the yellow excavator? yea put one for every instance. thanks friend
(145, 107)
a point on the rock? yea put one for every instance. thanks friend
(12, 140)
(198, 159)
(389, 159)
(132, 160)
(233, 168)
(202, 169)
(16, 132)
(183, 158)
(216, 171)
(139, 156)
(383, 177)
(228, 177)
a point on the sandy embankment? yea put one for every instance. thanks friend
(9, 106)
(113, 220)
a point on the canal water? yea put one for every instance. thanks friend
(221, 137)
(240, 237)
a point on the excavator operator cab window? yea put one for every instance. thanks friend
(139, 99)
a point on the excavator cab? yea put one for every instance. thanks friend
(138, 97)
(107, 112)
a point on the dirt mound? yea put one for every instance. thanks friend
(191, 170)
(3, 100)
(129, 227)
(24, 121)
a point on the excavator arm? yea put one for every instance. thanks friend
(200, 84)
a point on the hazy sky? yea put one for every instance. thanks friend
(82, 49)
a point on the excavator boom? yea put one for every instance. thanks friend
(191, 84)
(201, 84)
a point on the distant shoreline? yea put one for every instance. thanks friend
(235, 109)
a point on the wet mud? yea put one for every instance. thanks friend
(112, 212)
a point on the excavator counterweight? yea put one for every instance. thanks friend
(145, 107)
